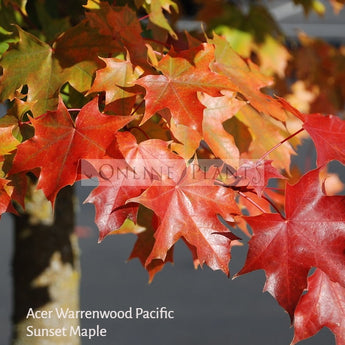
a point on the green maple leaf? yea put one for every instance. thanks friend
(33, 63)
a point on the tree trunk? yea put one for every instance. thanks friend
(45, 271)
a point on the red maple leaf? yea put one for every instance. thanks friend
(116, 186)
(184, 74)
(188, 208)
(328, 134)
(59, 144)
(145, 242)
(121, 24)
(106, 31)
(312, 234)
(122, 179)
(322, 306)
(151, 158)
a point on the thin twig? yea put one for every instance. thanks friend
(143, 18)
(279, 144)
(251, 201)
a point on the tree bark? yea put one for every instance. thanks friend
(45, 271)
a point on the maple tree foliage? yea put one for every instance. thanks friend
(294, 240)
(57, 136)
(183, 141)
(323, 305)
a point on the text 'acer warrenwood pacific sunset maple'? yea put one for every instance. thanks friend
(181, 142)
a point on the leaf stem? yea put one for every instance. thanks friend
(258, 206)
(251, 201)
(279, 144)
(143, 18)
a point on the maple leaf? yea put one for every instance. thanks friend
(218, 110)
(117, 184)
(286, 248)
(145, 242)
(184, 74)
(322, 306)
(5, 196)
(84, 43)
(122, 26)
(151, 158)
(115, 79)
(59, 144)
(245, 78)
(105, 31)
(188, 208)
(273, 55)
(188, 140)
(250, 201)
(123, 179)
(288, 107)
(33, 63)
(250, 31)
(156, 15)
(8, 127)
(265, 134)
(328, 134)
